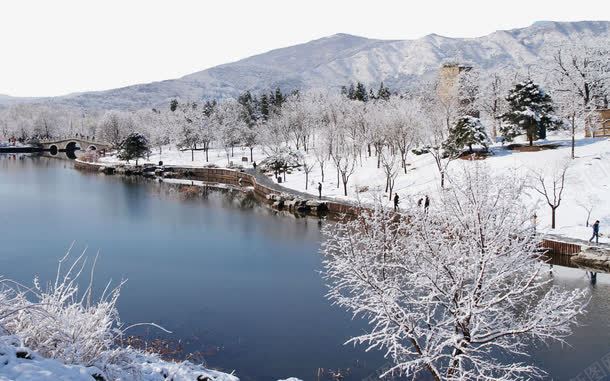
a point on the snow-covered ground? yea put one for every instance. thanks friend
(587, 183)
(21, 364)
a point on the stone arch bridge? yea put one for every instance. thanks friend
(71, 145)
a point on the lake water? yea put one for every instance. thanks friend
(230, 278)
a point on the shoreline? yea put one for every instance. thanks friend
(280, 198)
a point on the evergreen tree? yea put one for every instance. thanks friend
(264, 106)
(466, 132)
(134, 146)
(530, 112)
(351, 92)
(209, 106)
(383, 92)
(173, 105)
(249, 107)
(372, 95)
(361, 94)
(279, 98)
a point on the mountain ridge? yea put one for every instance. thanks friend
(336, 60)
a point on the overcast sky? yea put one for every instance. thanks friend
(63, 46)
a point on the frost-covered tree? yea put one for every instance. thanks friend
(227, 121)
(187, 132)
(115, 126)
(492, 100)
(402, 120)
(307, 163)
(457, 292)
(391, 168)
(583, 70)
(466, 132)
(433, 137)
(530, 111)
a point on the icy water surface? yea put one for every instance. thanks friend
(227, 276)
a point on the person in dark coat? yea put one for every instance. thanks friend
(396, 201)
(254, 164)
(426, 203)
(595, 232)
(320, 190)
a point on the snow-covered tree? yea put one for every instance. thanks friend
(530, 111)
(466, 132)
(492, 100)
(391, 168)
(583, 71)
(115, 126)
(434, 136)
(227, 121)
(456, 292)
(187, 132)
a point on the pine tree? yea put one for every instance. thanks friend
(279, 98)
(351, 92)
(361, 94)
(250, 108)
(173, 105)
(383, 92)
(134, 146)
(466, 132)
(264, 106)
(209, 106)
(530, 112)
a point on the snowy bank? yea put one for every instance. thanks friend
(22, 364)
(587, 184)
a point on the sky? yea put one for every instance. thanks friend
(57, 47)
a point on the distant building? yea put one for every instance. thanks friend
(451, 87)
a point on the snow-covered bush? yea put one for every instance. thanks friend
(59, 321)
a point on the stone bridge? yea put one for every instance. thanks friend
(71, 145)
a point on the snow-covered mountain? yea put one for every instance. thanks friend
(334, 61)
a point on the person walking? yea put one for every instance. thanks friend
(254, 165)
(396, 201)
(426, 203)
(595, 232)
(320, 190)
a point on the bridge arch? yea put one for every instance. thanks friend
(71, 148)
(53, 150)
(92, 147)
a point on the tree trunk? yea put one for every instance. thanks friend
(206, 155)
(251, 156)
(345, 188)
(322, 170)
(337, 177)
(573, 136)
(443, 179)
(553, 218)
(192, 155)
(306, 179)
